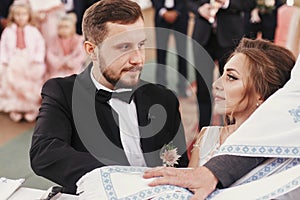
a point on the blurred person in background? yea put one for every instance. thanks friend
(78, 7)
(262, 19)
(172, 16)
(218, 28)
(4, 13)
(65, 54)
(22, 62)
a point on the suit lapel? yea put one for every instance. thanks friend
(141, 102)
(145, 118)
(85, 80)
(107, 117)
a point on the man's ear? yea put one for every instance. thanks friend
(90, 49)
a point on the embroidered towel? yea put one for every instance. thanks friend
(124, 182)
(8, 187)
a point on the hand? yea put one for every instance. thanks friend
(200, 180)
(255, 16)
(208, 11)
(170, 16)
(222, 2)
(204, 11)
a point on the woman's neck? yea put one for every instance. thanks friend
(229, 129)
(242, 117)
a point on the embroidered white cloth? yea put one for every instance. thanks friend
(124, 183)
(8, 187)
(267, 188)
(273, 129)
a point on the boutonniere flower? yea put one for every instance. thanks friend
(169, 155)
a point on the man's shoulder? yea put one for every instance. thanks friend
(153, 88)
(63, 81)
(59, 84)
(156, 92)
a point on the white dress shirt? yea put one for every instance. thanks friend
(169, 3)
(128, 125)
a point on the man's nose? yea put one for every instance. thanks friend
(137, 56)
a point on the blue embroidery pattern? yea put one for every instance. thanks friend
(282, 190)
(267, 170)
(184, 194)
(268, 150)
(181, 193)
(172, 196)
(212, 195)
(296, 114)
(271, 167)
(277, 192)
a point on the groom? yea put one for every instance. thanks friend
(106, 115)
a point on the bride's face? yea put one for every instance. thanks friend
(230, 89)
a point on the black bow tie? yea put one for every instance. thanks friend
(105, 96)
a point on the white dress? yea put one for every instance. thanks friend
(209, 144)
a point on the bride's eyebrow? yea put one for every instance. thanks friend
(232, 70)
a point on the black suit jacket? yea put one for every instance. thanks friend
(79, 9)
(230, 22)
(180, 6)
(68, 141)
(4, 8)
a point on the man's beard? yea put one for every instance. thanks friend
(117, 82)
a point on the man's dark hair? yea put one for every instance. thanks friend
(116, 11)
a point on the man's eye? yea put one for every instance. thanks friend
(141, 44)
(124, 46)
